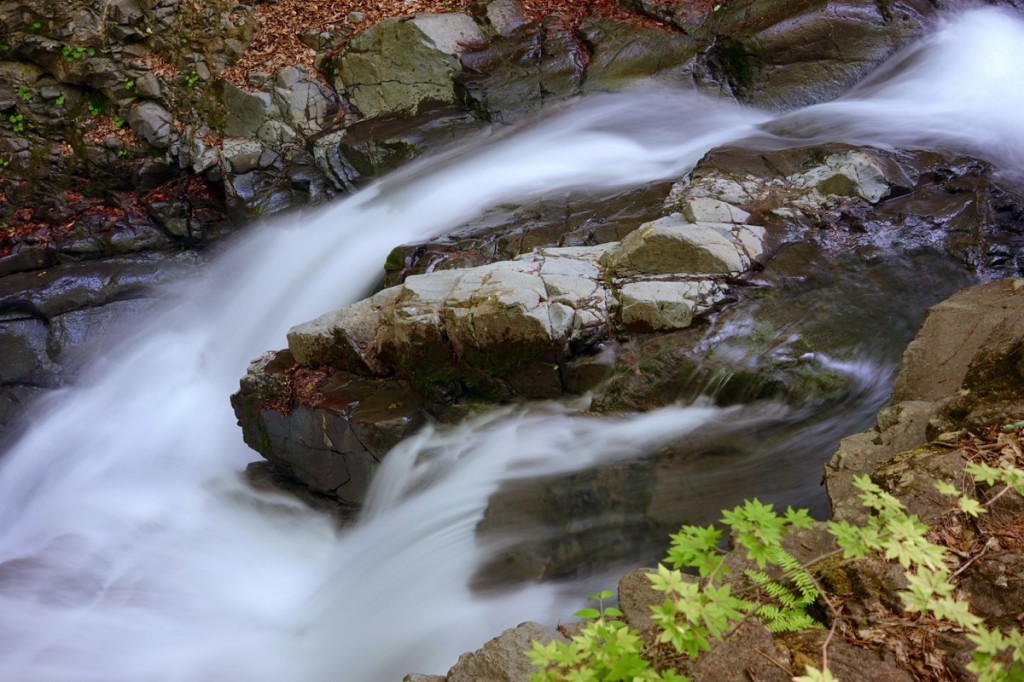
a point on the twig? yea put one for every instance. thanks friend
(998, 495)
(972, 560)
(824, 645)
(774, 662)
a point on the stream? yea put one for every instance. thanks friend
(132, 550)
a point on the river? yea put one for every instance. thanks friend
(131, 549)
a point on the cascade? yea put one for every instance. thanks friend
(130, 548)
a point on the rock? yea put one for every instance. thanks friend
(664, 306)
(305, 104)
(504, 16)
(23, 345)
(748, 652)
(622, 53)
(782, 56)
(451, 33)
(334, 443)
(48, 320)
(512, 77)
(937, 361)
(672, 244)
(578, 218)
(246, 112)
(370, 148)
(152, 123)
(342, 338)
(502, 659)
(636, 597)
(905, 429)
(935, 391)
(887, 199)
(421, 60)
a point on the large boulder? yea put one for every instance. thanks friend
(398, 66)
(963, 370)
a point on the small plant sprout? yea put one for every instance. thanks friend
(35, 26)
(71, 54)
(59, 102)
(24, 93)
(17, 122)
(129, 84)
(118, 121)
(191, 79)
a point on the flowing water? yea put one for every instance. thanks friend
(129, 547)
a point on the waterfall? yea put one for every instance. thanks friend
(129, 547)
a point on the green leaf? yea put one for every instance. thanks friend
(947, 488)
(970, 506)
(588, 613)
(812, 674)
(800, 518)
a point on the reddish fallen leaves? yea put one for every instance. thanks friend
(276, 43)
(302, 387)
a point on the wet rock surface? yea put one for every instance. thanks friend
(124, 136)
(726, 294)
(48, 319)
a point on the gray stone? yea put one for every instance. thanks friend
(23, 346)
(936, 362)
(707, 210)
(674, 245)
(246, 112)
(504, 16)
(502, 658)
(241, 155)
(451, 33)
(849, 174)
(343, 338)
(636, 597)
(622, 53)
(664, 306)
(396, 68)
(302, 101)
(152, 123)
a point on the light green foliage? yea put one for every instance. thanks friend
(118, 121)
(897, 535)
(604, 650)
(24, 93)
(59, 102)
(71, 54)
(129, 84)
(695, 612)
(692, 613)
(191, 79)
(17, 122)
(812, 674)
(890, 531)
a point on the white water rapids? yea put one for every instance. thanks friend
(130, 550)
